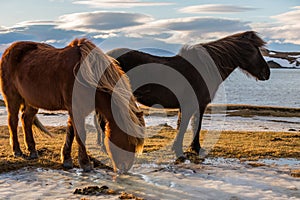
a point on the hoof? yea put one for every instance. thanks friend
(17, 154)
(193, 157)
(33, 155)
(68, 164)
(178, 151)
(191, 150)
(87, 167)
(180, 159)
(202, 153)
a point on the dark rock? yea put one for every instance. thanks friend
(292, 129)
(273, 64)
(95, 190)
(2, 102)
(276, 139)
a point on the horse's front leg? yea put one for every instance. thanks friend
(27, 120)
(80, 136)
(178, 141)
(67, 147)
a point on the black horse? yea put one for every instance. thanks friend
(203, 66)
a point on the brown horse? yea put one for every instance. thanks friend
(203, 67)
(79, 78)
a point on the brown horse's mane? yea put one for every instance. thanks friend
(236, 47)
(103, 73)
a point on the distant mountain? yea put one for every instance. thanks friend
(277, 59)
(157, 52)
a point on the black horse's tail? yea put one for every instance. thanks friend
(38, 127)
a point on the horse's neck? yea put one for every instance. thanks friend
(201, 60)
(225, 62)
(226, 71)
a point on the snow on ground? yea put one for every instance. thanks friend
(215, 179)
(282, 62)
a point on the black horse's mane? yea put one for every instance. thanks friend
(237, 47)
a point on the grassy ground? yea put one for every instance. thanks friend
(244, 145)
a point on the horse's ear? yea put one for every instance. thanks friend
(140, 114)
(249, 35)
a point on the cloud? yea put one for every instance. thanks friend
(120, 3)
(94, 25)
(189, 29)
(38, 31)
(285, 29)
(215, 8)
(120, 28)
(101, 21)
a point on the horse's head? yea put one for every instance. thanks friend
(121, 146)
(251, 59)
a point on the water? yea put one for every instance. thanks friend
(283, 89)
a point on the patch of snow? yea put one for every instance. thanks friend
(214, 179)
(281, 162)
(282, 62)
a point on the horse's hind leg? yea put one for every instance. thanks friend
(196, 127)
(67, 147)
(27, 120)
(13, 112)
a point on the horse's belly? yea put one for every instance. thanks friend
(44, 101)
(41, 95)
(153, 94)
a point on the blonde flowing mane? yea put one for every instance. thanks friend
(103, 73)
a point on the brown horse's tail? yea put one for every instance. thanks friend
(38, 127)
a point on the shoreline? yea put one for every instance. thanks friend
(217, 117)
(230, 108)
(209, 108)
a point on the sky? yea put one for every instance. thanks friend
(166, 24)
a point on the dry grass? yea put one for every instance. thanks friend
(244, 145)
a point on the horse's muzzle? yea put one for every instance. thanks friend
(264, 75)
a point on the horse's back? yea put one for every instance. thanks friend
(116, 53)
(41, 74)
(150, 94)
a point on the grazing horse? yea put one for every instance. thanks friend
(204, 66)
(79, 78)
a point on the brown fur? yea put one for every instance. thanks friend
(36, 75)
